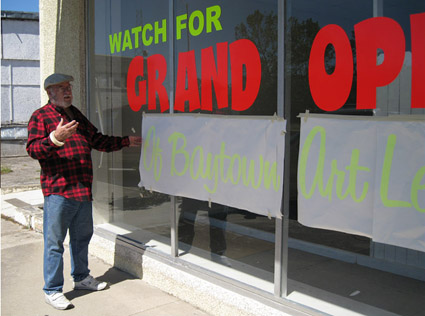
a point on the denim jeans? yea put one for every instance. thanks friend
(60, 215)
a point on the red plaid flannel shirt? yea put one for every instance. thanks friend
(67, 170)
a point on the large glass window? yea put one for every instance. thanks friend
(208, 32)
(304, 19)
(137, 65)
(120, 31)
(234, 238)
(395, 98)
(325, 259)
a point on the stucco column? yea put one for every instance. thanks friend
(63, 45)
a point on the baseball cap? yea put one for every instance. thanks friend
(55, 79)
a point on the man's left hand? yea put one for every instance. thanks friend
(135, 141)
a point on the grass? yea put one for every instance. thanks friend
(5, 170)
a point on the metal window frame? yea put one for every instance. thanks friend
(281, 224)
(281, 232)
(173, 210)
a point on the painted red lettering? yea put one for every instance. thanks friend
(214, 75)
(330, 91)
(187, 69)
(157, 71)
(417, 22)
(135, 70)
(371, 35)
(244, 53)
(243, 56)
(245, 71)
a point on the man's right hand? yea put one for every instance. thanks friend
(63, 132)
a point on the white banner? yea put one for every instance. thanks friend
(364, 176)
(331, 188)
(399, 210)
(235, 161)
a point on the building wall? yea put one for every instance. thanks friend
(20, 78)
(33, 47)
(63, 44)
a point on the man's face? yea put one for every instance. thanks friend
(61, 94)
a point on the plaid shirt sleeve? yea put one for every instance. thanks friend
(99, 141)
(67, 170)
(39, 145)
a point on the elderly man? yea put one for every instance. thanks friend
(61, 138)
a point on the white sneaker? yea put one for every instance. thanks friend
(221, 259)
(58, 300)
(90, 283)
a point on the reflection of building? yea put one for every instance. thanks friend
(20, 77)
(275, 264)
(395, 98)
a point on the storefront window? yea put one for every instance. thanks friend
(304, 19)
(214, 33)
(116, 37)
(234, 238)
(205, 66)
(395, 98)
(318, 257)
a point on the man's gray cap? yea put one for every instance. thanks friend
(55, 79)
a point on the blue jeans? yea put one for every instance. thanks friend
(60, 215)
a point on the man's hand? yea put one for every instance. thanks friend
(135, 141)
(63, 132)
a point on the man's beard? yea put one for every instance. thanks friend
(65, 103)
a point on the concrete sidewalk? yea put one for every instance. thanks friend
(325, 285)
(22, 282)
(23, 174)
(22, 262)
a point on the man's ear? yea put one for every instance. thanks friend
(49, 93)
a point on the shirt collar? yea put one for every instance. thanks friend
(60, 109)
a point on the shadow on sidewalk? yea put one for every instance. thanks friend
(112, 276)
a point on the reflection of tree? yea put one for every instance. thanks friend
(299, 38)
(261, 29)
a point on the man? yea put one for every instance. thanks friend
(216, 212)
(61, 138)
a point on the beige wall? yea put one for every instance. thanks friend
(63, 44)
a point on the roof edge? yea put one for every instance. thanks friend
(19, 15)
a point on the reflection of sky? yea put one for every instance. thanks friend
(233, 13)
(342, 13)
(116, 16)
(113, 16)
(348, 13)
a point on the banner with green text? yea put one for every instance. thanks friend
(235, 161)
(365, 176)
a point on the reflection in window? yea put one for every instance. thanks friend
(117, 197)
(233, 238)
(317, 255)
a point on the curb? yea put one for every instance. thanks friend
(30, 216)
(20, 188)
